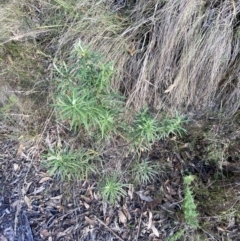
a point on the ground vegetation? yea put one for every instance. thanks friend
(119, 120)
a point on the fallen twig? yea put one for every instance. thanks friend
(139, 225)
(109, 229)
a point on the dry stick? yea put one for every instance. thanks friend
(234, 8)
(109, 229)
(139, 225)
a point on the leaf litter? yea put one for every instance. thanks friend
(34, 206)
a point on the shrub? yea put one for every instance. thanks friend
(189, 206)
(84, 96)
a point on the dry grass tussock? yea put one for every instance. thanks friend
(192, 54)
(169, 54)
(176, 54)
(23, 69)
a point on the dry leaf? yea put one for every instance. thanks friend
(131, 49)
(171, 190)
(16, 203)
(38, 190)
(104, 209)
(65, 232)
(44, 233)
(155, 231)
(48, 142)
(154, 203)
(28, 202)
(25, 188)
(96, 196)
(53, 203)
(2, 238)
(56, 197)
(126, 212)
(108, 220)
(143, 197)
(87, 206)
(170, 88)
(186, 145)
(90, 192)
(44, 179)
(90, 221)
(151, 225)
(122, 217)
(15, 167)
(168, 197)
(150, 220)
(86, 199)
(61, 234)
(59, 208)
(20, 149)
(221, 229)
(130, 191)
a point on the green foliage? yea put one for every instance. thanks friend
(172, 126)
(70, 165)
(6, 108)
(112, 189)
(189, 206)
(78, 109)
(177, 236)
(146, 129)
(84, 96)
(145, 171)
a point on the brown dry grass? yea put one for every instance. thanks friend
(190, 46)
(193, 47)
(176, 54)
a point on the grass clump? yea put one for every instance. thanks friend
(112, 189)
(189, 205)
(69, 165)
(144, 171)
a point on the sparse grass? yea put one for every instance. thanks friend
(6, 108)
(216, 146)
(70, 165)
(112, 189)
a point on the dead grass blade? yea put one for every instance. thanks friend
(191, 45)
